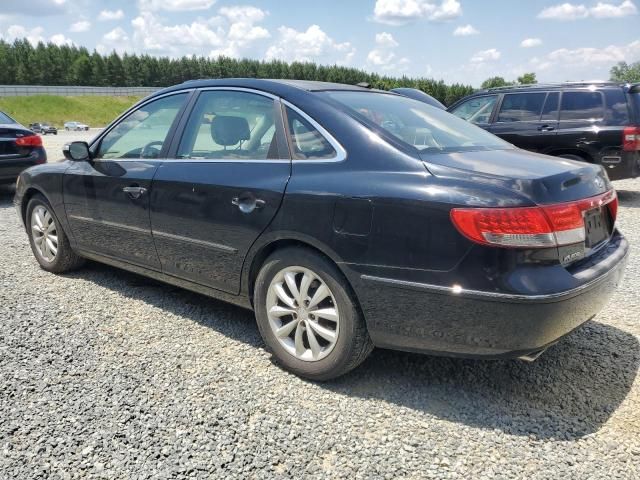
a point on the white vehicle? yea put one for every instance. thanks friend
(75, 126)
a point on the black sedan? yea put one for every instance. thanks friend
(347, 218)
(20, 148)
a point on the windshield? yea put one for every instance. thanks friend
(4, 118)
(426, 128)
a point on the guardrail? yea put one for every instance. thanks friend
(74, 91)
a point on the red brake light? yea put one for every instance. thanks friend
(631, 139)
(532, 227)
(29, 141)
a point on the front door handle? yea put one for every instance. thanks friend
(546, 128)
(134, 192)
(247, 203)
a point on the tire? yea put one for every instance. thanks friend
(351, 344)
(64, 259)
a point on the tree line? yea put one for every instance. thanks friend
(22, 63)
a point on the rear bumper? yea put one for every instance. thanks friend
(624, 166)
(427, 318)
(10, 168)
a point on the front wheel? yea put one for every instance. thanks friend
(48, 241)
(308, 316)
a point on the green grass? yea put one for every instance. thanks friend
(93, 110)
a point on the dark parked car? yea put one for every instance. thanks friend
(43, 128)
(419, 95)
(596, 122)
(20, 148)
(347, 218)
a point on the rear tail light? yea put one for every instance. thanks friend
(29, 141)
(631, 139)
(531, 227)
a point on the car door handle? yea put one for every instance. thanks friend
(134, 192)
(546, 128)
(247, 203)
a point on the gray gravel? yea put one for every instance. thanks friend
(106, 374)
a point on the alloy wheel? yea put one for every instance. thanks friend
(303, 313)
(44, 233)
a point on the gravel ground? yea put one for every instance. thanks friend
(107, 374)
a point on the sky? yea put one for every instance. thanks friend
(464, 41)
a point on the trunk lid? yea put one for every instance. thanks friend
(541, 179)
(8, 135)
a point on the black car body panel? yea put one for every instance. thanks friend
(379, 209)
(584, 121)
(13, 157)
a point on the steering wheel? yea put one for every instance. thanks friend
(143, 152)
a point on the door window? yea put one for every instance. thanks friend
(306, 140)
(521, 107)
(550, 109)
(476, 110)
(142, 133)
(581, 106)
(230, 125)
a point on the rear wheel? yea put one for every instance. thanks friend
(48, 241)
(308, 316)
(570, 156)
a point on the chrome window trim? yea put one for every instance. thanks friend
(341, 153)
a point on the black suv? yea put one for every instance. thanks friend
(43, 128)
(596, 122)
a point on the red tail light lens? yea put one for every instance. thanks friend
(29, 141)
(531, 227)
(631, 139)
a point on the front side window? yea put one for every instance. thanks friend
(142, 133)
(476, 110)
(426, 128)
(307, 142)
(521, 107)
(581, 106)
(230, 125)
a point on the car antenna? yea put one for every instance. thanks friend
(364, 85)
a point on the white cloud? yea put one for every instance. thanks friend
(117, 39)
(465, 31)
(310, 45)
(151, 34)
(570, 11)
(107, 15)
(33, 35)
(241, 32)
(59, 39)
(383, 56)
(483, 56)
(530, 42)
(607, 10)
(174, 5)
(400, 12)
(81, 26)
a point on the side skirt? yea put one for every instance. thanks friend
(238, 300)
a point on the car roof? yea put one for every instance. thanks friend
(598, 84)
(279, 87)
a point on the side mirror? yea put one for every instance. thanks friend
(76, 151)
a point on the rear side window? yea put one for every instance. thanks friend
(521, 107)
(306, 141)
(581, 106)
(617, 109)
(550, 109)
(476, 110)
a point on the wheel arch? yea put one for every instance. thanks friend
(572, 151)
(29, 193)
(259, 254)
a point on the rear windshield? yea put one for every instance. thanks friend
(426, 128)
(4, 118)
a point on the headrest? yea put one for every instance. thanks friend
(226, 130)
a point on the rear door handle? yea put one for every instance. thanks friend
(134, 192)
(546, 128)
(247, 203)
